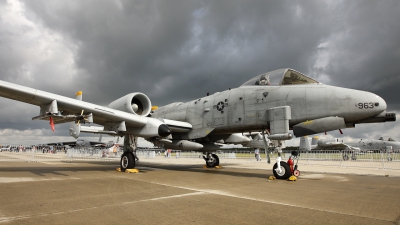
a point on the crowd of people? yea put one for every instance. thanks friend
(32, 148)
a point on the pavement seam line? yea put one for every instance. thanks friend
(9, 219)
(266, 201)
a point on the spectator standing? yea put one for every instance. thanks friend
(257, 154)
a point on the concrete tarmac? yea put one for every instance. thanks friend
(186, 193)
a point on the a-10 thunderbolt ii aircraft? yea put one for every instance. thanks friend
(83, 143)
(276, 101)
(361, 145)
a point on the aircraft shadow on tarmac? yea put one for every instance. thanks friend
(144, 167)
(199, 169)
(40, 169)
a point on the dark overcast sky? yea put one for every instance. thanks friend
(179, 50)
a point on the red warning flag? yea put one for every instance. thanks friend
(51, 123)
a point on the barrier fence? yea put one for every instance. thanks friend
(378, 159)
(375, 159)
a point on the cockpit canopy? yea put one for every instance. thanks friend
(280, 77)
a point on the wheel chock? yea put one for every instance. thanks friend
(271, 178)
(215, 167)
(131, 171)
(292, 178)
(118, 169)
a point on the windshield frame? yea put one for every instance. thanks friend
(281, 77)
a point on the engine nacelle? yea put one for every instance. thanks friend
(136, 103)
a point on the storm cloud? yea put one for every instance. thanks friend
(179, 50)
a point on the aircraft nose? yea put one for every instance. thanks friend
(378, 102)
(367, 105)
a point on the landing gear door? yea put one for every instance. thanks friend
(278, 118)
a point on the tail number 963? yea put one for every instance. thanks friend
(366, 105)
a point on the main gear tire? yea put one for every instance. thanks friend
(212, 161)
(285, 171)
(127, 161)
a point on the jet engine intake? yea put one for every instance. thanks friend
(136, 103)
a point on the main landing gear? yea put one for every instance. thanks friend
(128, 161)
(346, 156)
(212, 160)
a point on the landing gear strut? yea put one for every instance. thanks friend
(293, 167)
(129, 159)
(212, 160)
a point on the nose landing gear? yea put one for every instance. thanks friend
(287, 170)
(212, 160)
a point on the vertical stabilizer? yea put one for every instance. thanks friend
(75, 129)
(314, 140)
(78, 95)
(304, 143)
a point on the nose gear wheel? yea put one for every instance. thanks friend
(284, 173)
(212, 160)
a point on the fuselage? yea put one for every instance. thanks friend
(244, 109)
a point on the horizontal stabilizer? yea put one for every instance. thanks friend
(96, 130)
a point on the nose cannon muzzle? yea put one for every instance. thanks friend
(390, 117)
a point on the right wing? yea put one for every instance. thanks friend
(64, 109)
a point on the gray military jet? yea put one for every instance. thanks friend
(361, 145)
(84, 143)
(274, 102)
